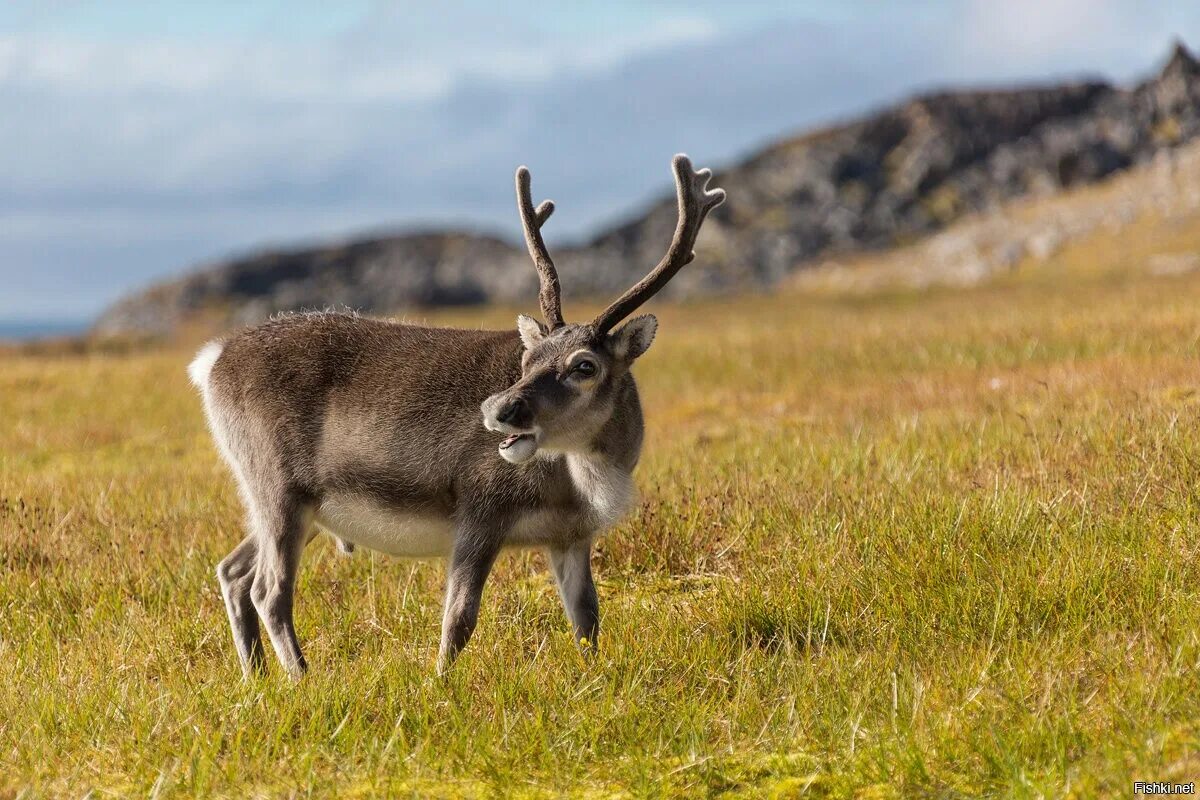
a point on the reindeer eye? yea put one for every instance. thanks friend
(585, 368)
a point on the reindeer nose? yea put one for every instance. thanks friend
(512, 411)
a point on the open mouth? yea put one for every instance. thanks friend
(518, 447)
(512, 439)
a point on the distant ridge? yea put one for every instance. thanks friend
(887, 178)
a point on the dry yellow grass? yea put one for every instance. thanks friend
(892, 545)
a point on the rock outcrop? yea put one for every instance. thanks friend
(896, 175)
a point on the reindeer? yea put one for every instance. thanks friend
(371, 431)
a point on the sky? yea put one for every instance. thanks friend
(141, 140)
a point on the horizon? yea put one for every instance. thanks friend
(179, 136)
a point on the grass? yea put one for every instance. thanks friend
(933, 545)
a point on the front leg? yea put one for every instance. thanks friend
(572, 567)
(470, 562)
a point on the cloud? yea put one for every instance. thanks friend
(128, 158)
(1023, 38)
(387, 59)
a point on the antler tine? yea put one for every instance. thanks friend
(549, 293)
(695, 201)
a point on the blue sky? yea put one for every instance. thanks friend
(142, 139)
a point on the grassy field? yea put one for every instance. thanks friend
(899, 545)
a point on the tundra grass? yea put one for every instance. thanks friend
(943, 545)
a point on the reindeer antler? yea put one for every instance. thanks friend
(695, 201)
(549, 293)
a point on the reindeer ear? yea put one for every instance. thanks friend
(531, 331)
(634, 337)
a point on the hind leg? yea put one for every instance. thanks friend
(282, 530)
(236, 575)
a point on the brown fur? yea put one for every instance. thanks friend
(359, 405)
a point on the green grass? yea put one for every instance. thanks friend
(941, 545)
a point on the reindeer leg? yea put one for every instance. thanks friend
(471, 561)
(282, 531)
(236, 574)
(572, 568)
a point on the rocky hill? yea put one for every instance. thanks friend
(1145, 219)
(886, 179)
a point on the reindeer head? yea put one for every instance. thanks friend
(572, 375)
